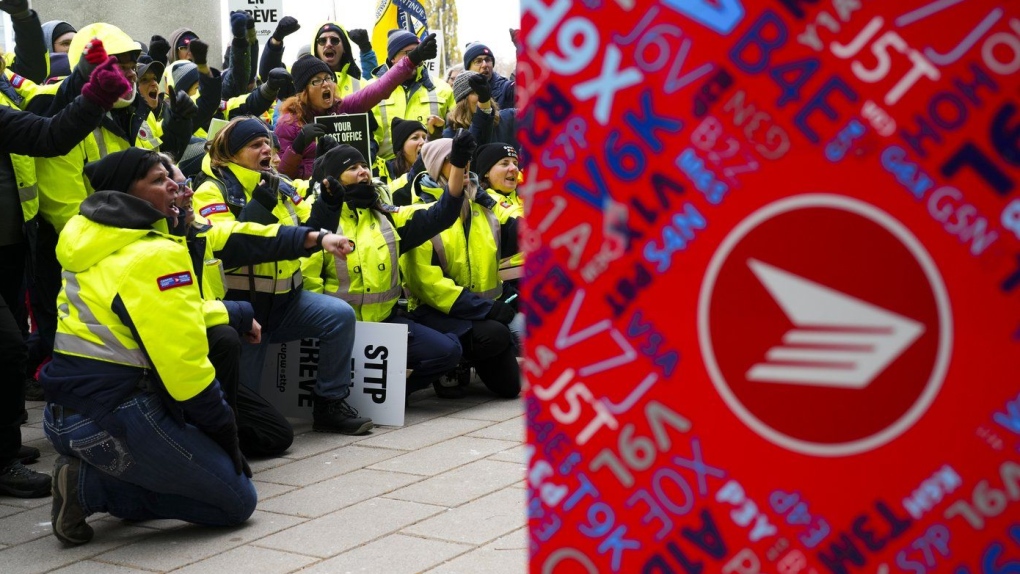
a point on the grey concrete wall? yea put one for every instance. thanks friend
(142, 18)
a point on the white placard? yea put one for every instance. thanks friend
(435, 65)
(267, 14)
(378, 385)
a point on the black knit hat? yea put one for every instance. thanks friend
(244, 131)
(336, 161)
(397, 40)
(401, 130)
(117, 171)
(306, 68)
(489, 155)
(59, 30)
(474, 50)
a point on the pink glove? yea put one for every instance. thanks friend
(94, 52)
(106, 84)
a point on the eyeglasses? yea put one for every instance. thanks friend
(186, 184)
(319, 81)
(333, 40)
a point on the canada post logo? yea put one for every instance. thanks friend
(174, 280)
(825, 325)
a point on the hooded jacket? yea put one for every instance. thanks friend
(47, 32)
(175, 37)
(128, 284)
(348, 74)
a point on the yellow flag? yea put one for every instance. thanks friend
(392, 14)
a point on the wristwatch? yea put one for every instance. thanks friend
(322, 234)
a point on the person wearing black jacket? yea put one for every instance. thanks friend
(28, 134)
(30, 47)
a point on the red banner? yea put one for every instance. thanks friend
(773, 285)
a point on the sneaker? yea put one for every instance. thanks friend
(335, 415)
(28, 454)
(67, 515)
(33, 390)
(17, 480)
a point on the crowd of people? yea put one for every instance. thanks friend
(146, 265)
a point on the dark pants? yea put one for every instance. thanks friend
(430, 354)
(489, 347)
(261, 430)
(159, 468)
(43, 294)
(12, 353)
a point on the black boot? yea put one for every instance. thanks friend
(335, 415)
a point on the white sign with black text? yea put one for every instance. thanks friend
(266, 13)
(378, 365)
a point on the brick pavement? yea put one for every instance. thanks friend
(442, 495)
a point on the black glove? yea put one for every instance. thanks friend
(181, 105)
(16, 8)
(463, 148)
(279, 78)
(501, 312)
(425, 51)
(332, 192)
(325, 143)
(360, 37)
(238, 22)
(265, 194)
(226, 437)
(306, 136)
(159, 49)
(287, 26)
(480, 86)
(199, 52)
(511, 296)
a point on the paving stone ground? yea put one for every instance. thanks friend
(443, 494)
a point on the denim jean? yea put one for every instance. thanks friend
(158, 469)
(310, 315)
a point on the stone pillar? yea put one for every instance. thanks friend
(142, 18)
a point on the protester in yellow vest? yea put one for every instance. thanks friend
(453, 279)
(369, 278)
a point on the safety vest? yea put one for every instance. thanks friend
(419, 105)
(369, 279)
(508, 206)
(24, 166)
(220, 205)
(465, 260)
